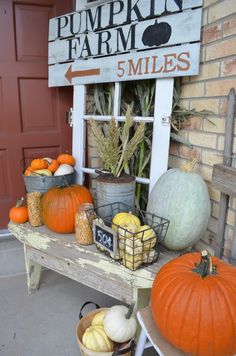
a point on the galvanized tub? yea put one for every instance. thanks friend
(43, 183)
(114, 190)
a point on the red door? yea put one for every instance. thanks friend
(32, 116)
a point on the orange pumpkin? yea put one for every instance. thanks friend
(38, 163)
(53, 166)
(193, 303)
(19, 213)
(28, 171)
(66, 158)
(59, 206)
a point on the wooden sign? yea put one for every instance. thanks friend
(124, 40)
(105, 237)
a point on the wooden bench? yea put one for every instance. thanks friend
(85, 264)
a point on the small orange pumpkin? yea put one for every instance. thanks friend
(19, 213)
(28, 171)
(38, 163)
(53, 166)
(66, 158)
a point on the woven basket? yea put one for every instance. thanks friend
(82, 325)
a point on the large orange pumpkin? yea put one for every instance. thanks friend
(194, 305)
(59, 206)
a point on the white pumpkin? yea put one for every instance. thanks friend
(64, 169)
(48, 159)
(119, 324)
(182, 198)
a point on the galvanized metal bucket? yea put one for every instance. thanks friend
(43, 183)
(114, 190)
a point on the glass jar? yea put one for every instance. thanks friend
(84, 224)
(33, 204)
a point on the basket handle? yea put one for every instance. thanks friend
(118, 352)
(84, 305)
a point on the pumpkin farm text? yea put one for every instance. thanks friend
(118, 28)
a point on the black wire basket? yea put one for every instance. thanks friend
(137, 244)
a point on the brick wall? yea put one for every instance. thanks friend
(209, 91)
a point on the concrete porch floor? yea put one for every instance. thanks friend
(44, 323)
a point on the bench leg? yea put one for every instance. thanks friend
(141, 298)
(141, 343)
(33, 271)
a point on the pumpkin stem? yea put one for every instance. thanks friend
(19, 202)
(205, 267)
(130, 311)
(66, 184)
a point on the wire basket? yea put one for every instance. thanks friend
(137, 246)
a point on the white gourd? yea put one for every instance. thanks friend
(133, 246)
(149, 256)
(119, 324)
(132, 261)
(64, 169)
(41, 172)
(48, 159)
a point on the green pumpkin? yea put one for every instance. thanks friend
(183, 199)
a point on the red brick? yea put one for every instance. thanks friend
(193, 123)
(229, 67)
(189, 153)
(221, 9)
(208, 70)
(208, 3)
(211, 33)
(192, 90)
(221, 49)
(219, 87)
(229, 27)
(224, 106)
(205, 104)
(173, 148)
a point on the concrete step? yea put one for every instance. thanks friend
(11, 257)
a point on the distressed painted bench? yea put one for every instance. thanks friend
(85, 264)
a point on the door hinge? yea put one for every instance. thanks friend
(69, 117)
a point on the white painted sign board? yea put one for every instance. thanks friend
(124, 40)
(121, 40)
